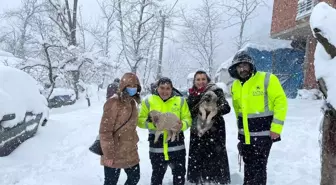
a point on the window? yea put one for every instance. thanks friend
(305, 7)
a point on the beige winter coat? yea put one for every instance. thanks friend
(120, 146)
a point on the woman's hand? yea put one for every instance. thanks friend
(109, 162)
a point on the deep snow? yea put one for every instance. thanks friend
(59, 155)
(324, 18)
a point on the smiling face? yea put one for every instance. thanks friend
(165, 91)
(201, 80)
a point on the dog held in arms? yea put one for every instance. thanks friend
(207, 110)
(165, 121)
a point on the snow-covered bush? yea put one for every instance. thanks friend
(324, 18)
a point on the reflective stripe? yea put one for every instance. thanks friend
(278, 121)
(262, 133)
(259, 115)
(266, 83)
(170, 149)
(147, 122)
(147, 103)
(153, 132)
(182, 103)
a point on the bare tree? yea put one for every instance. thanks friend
(21, 21)
(242, 11)
(137, 23)
(102, 31)
(201, 33)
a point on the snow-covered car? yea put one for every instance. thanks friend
(22, 108)
(61, 97)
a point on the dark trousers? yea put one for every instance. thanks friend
(177, 164)
(112, 175)
(255, 158)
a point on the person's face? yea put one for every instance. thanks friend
(244, 70)
(201, 80)
(165, 91)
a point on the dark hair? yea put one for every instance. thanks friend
(201, 72)
(165, 80)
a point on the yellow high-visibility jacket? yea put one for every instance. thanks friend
(260, 105)
(176, 105)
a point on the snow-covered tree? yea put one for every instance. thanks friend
(201, 33)
(16, 35)
(138, 22)
(240, 11)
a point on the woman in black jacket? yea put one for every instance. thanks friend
(208, 160)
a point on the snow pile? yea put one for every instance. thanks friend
(8, 59)
(323, 17)
(311, 94)
(19, 93)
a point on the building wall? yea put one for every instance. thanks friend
(309, 68)
(284, 14)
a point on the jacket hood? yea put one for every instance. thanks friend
(129, 79)
(241, 57)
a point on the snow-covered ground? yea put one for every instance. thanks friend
(59, 155)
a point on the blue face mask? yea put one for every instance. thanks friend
(131, 91)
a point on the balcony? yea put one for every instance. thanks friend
(305, 7)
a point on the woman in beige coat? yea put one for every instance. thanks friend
(118, 135)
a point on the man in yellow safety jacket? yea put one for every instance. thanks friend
(172, 153)
(260, 105)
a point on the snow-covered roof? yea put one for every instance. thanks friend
(324, 18)
(19, 93)
(273, 44)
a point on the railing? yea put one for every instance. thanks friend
(305, 7)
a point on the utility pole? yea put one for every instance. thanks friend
(159, 69)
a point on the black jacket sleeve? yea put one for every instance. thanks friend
(224, 107)
(192, 103)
